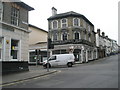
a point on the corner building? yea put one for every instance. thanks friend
(72, 32)
(14, 36)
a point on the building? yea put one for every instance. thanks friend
(105, 45)
(72, 32)
(37, 45)
(114, 47)
(108, 46)
(14, 36)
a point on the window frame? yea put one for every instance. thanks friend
(78, 22)
(77, 32)
(89, 28)
(53, 24)
(84, 24)
(64, 23)
(15, 15)
(53, 36)
(63, 37)
(17, 49)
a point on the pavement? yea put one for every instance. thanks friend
(34, 72)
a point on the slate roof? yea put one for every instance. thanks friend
(71, 13)
(30, 25)
(22, 4)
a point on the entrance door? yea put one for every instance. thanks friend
(77, 54)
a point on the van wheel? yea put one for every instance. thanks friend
(48, 65)
(69, 64)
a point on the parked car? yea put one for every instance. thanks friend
(60, 59)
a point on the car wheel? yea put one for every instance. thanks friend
(69, 64)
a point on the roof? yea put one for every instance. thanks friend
(22, 4)
(37, 28)
(71, 13)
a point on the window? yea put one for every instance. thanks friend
(85, 37)
(76, 22)
(89, 39)
(76, 35)
(15, 15)
(84, 24)
(0, 48)
(55, 36)
(64, 23)
(55, 24)
(14, 49)
(64, 36)
(52, 58)
(89, 28)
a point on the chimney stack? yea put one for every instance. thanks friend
(54, 11)
(98, 31)
(106, 36)
(103, 34)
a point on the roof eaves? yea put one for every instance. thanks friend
(22, 4)
(30, 25)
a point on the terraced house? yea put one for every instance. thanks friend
(14, 36)
(72, 32)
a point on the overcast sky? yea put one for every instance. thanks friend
(102, 13)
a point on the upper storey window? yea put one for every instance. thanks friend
(76, 22)
(89, 28)
(84, 24)
(64, 23)
(15, 14)
(55, 24)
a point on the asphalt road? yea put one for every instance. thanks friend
(101, 73)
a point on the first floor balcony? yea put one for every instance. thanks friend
(73, 41)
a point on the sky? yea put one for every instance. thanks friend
(102, 13)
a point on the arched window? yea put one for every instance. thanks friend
(64, 23)
(64, 36)
(55, 36)
(85, 36)
(55, 24)
(76, 22)
(77, 35)
(89, 39)
(84, 24)
(89, 28)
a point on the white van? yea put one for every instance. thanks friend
(60, 59)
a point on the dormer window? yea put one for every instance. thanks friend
(64, 23)
(55, 24)
(76, 22)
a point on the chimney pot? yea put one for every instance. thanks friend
(98, 31)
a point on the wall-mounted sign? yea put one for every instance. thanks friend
(7, 41)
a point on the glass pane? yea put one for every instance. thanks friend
(14, 54)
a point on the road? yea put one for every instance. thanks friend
(101, 73)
